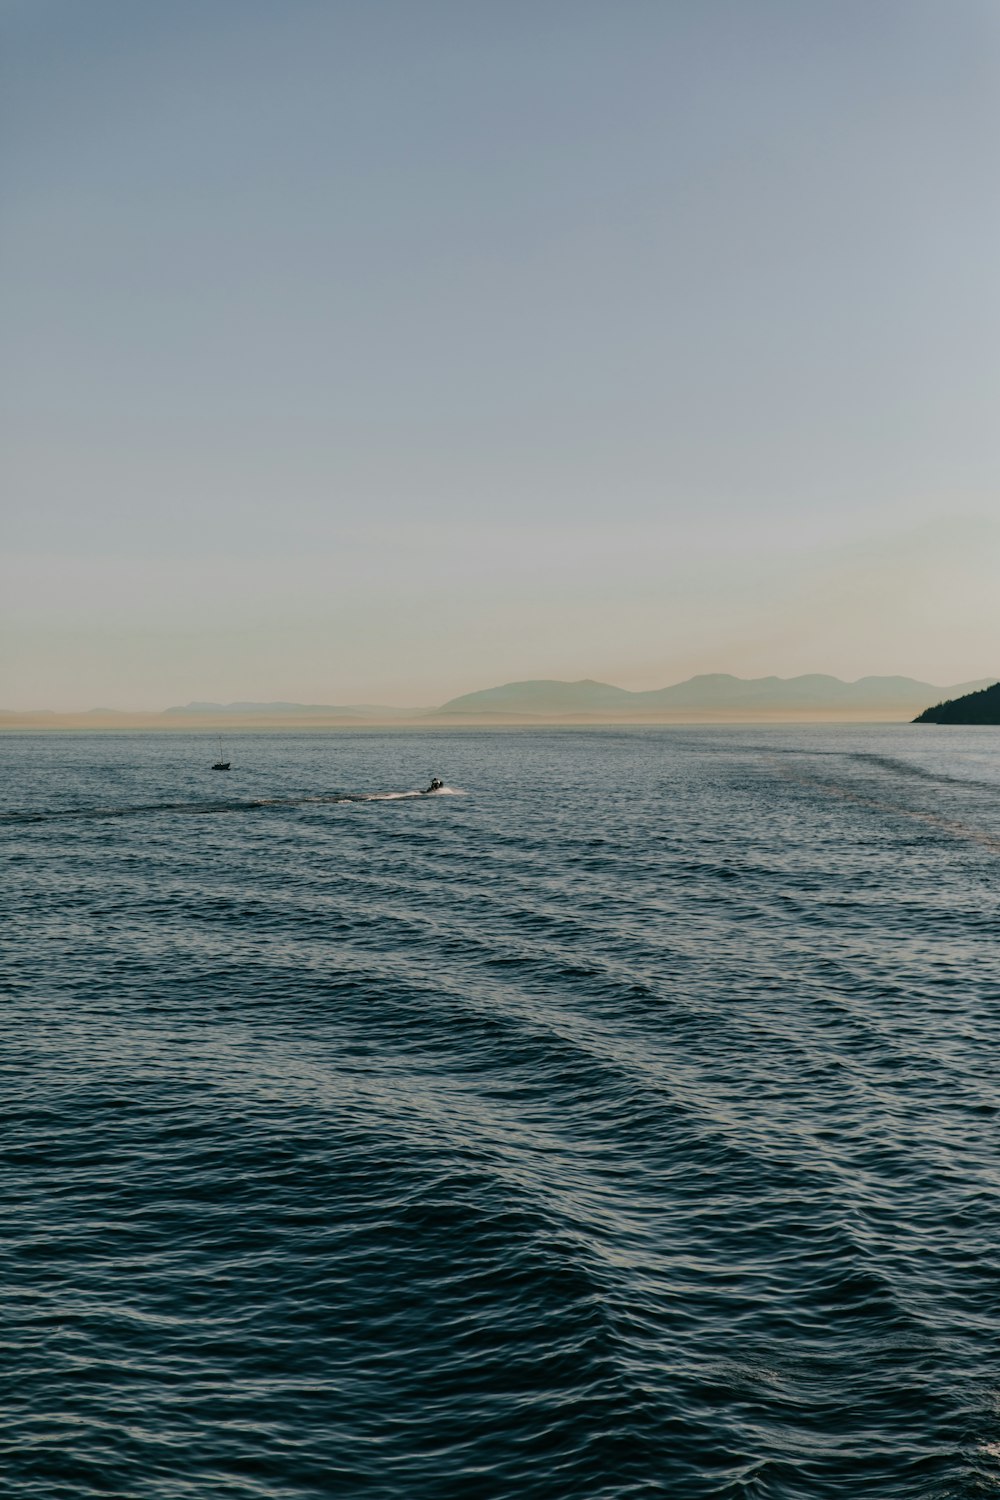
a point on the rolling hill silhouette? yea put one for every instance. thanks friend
(713, 693)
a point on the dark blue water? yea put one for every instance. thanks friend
(623, 1123)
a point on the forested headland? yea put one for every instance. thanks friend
(982, 707)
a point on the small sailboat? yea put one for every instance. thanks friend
(221, 764)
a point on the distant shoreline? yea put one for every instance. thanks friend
(713, 698)
(205, 724)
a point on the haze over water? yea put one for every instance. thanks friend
(621, 1123)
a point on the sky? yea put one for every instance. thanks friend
(382, 350)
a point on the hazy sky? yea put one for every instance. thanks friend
(357, 350)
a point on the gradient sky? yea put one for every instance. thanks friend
(357, 350)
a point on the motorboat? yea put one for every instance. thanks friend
(437, 785)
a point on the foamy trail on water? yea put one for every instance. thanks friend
(441, 791)
(127, 810)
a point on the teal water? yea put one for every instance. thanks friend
(622, 1122)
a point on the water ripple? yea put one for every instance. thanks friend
(623, 1127)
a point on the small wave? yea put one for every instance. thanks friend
(954, 827)
(893, 766)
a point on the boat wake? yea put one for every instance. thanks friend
(206, 807)
(437, 791)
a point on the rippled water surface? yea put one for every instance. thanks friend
(621, 1122)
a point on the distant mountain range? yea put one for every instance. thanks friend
(974, 708)
(716, 694)
(713, 697)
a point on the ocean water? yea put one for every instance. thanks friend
(621, 1122)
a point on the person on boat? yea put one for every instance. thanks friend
(436, 785)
